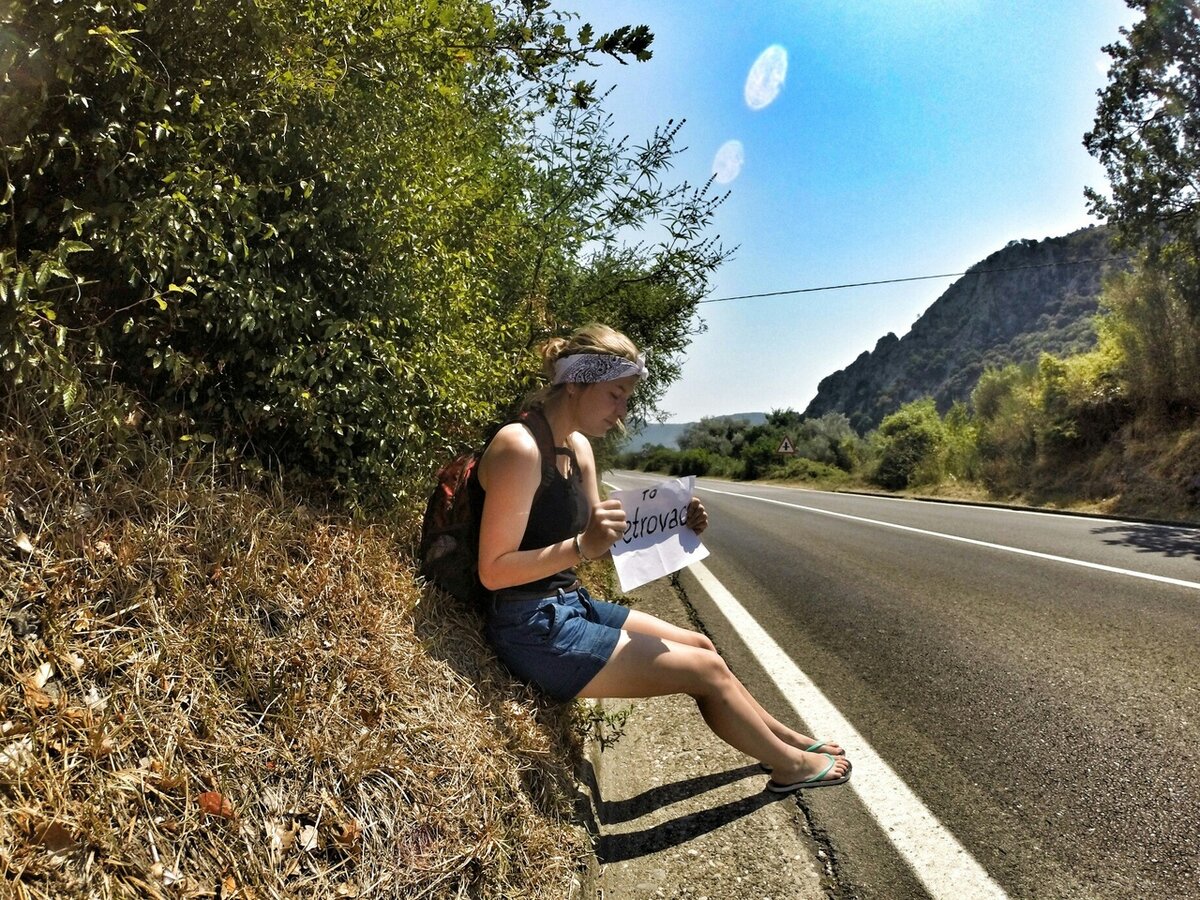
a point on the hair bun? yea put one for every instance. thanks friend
(551, 351)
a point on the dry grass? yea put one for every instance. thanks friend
(211, 691)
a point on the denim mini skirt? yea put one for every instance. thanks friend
(557, 643)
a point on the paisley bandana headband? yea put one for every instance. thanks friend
(589, 368)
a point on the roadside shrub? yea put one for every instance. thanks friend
(961, 458)
(691, 462)
(324, 235)
(910, 444)
(658, 459)
(1006, 422)
(235, 209)
(809, 470)
(1081, 400)
(1150, 328)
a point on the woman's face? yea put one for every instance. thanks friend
(603, 404)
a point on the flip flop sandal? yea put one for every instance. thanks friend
(815, 781)
(812, 748)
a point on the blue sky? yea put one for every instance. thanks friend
(909, 137)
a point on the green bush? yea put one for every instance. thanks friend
(961, 458)
(1081, 401)
(324, 235)
(1006, 420)
(233, 208)
(691, 462)
(910, 443)
(1150, 329)
(803, 469)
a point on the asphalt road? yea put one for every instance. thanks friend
(1041, 699)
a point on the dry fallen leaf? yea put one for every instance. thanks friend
(216, 804)
(17, 758)
(100, 745)
(348, 834)
(171, 781)
(38, 699)
(56, 838)
(77, 715)
(283, 836)
(230, 888)
(307, 840)
(170, 826)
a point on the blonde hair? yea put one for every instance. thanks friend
(593, 338)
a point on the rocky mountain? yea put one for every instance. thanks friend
(1028, 298)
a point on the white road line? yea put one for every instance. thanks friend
(943, 865)
(1178, 582)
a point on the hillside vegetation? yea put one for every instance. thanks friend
(1029, 298)
(1113, 429)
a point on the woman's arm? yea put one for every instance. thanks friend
(607, 521)
(510, 472)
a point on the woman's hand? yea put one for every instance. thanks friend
(697, 516)
(605, 525)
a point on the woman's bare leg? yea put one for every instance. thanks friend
(646, 665)
(645, 623)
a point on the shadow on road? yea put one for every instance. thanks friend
(1174, 542)
(612, 848)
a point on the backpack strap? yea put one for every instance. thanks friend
(535, 421)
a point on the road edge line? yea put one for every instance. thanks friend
(941, 863)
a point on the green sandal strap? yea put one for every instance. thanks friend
(815, 747)
(824, 771)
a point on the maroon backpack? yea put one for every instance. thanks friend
(449, 550)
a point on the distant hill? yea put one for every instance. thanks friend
(666, 434)
(986, 319)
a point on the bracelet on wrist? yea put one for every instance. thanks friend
(579, 549)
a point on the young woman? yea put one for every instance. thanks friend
(546, 627)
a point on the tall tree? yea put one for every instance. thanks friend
(1147, 127)
(1147, 136)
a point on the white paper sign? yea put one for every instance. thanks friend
(656, 540)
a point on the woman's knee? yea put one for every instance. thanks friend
(697, 640)
(704, 642)
(712, 673)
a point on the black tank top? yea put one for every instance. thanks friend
(559, 511)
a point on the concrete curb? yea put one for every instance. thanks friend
(1016, 507)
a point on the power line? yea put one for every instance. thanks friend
(838, 287)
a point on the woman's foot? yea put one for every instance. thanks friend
(815, 770)
(808, 745)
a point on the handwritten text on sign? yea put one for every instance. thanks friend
(657, 541)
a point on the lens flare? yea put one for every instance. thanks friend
(727, 164)
(766, 77)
